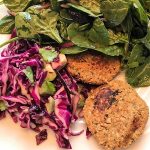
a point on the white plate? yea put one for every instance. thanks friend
(13, 137)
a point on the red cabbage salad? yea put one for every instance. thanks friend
(36, 90)
(35, 87)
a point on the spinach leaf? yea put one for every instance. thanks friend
(84, 27)
(115, 38)
(96, 38)
(65, 15)
(7, 24)
(48, 55)
(146, 39)
(63, 30)
(115, 11)
(35, 2)
(139, 76)
(93, 5)
(25, 27)
(35, 22)
(54, 5)
(138, 72)
(73, 50)
(17, 5)
(3, 106)
(136, 57)
(145, 4)
(127, 24)
(139, 12)
(98, 33)
(29, 73)
(85, 10)
(47, 88)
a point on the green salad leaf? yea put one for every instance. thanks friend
(29, 73)
(7, 24)
(136, 57)
(73, 50)
(115, 11)
(93, 5)
(139, 76)
(48, 55)
(98, 33)
(35, 2)
(138, 72)
(36, 22)
(96, 38)
(83, 9)
(3, 106)
(64, 14)
(147, 4)
(55, 5)
(139, 11)
(128, 24)
(146, 39)
(63, 30)
(17, 5)
(119, 37)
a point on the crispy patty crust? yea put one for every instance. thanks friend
(93, 68)
(115, 115)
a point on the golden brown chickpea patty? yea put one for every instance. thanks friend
(115, 115)
(93, 68)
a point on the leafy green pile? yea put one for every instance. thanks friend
(113, 27)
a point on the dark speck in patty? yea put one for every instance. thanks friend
(105, 98)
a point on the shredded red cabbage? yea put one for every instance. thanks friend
(2, 115)
(25, 104)
(42, 136)
(88, 133)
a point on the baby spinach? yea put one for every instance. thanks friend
(35, 2)
(145, 4)
(98, 33)
(115, 11)
(139, 11)
(119, 37)
(136, 57)
(35, 22)
(17, 5)
(7, 24)
(85, 10)
(127, 24)
(73, 50)
(146, 39)
(93, 5)
(138, 71)
(55, 5)
(139, 76)
(64, 14)
(96, 38)
(63, 30)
